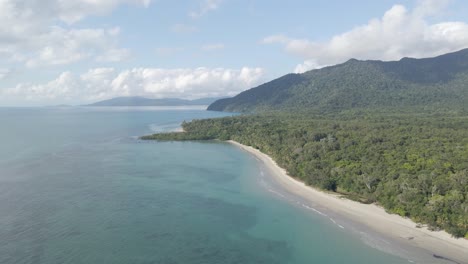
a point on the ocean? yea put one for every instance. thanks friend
(78, 186)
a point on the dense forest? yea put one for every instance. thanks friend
(432, 84)
(393, 133)
(412, 165)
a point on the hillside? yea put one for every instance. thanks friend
(439, 83)
(142, 101)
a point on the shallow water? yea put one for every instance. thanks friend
(77, 186)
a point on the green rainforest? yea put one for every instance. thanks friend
(391, 133)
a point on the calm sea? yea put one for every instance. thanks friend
(77, 186)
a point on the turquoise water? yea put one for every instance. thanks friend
(77, 186)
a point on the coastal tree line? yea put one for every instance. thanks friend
(414, 165)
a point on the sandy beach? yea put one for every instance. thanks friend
(437, 246)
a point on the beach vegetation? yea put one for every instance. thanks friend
(412, 165)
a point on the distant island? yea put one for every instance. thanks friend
(142, 101)
(391, 133)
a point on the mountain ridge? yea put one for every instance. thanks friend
(428, 83)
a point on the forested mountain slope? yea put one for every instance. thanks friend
(439, 83)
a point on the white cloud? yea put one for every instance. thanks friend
(212, 47)
(206, 6)
(102, 83)
(60, 46)
(63, 87)
(71, 11)
(399, 33)
(307, 66)
(20, 17)
(114, 55)
(30, 31)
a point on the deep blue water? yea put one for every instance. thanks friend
(77, 186)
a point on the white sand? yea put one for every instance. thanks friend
(372, 216)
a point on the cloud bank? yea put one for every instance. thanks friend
(103, 83)
(37, 33)
(398, 33)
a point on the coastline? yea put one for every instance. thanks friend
(437, 245)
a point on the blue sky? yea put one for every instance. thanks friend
(79, 51)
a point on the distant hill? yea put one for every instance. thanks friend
(431, 83)
(142, 101)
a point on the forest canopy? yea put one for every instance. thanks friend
(393, 133)
(412, 165)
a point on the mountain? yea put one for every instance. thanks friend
(142, 101)
(430, 83)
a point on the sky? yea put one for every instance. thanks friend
(81, 51)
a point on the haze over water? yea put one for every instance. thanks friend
(77, 186)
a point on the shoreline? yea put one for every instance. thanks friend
(439, 245)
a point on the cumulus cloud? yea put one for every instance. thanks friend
(114, 55)
(103, 83)
(398, 33)
(307, 65)
(61, 46)
(31, 31)
(206, 6)
(62, 87)
(32, 13)
(71, 11)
